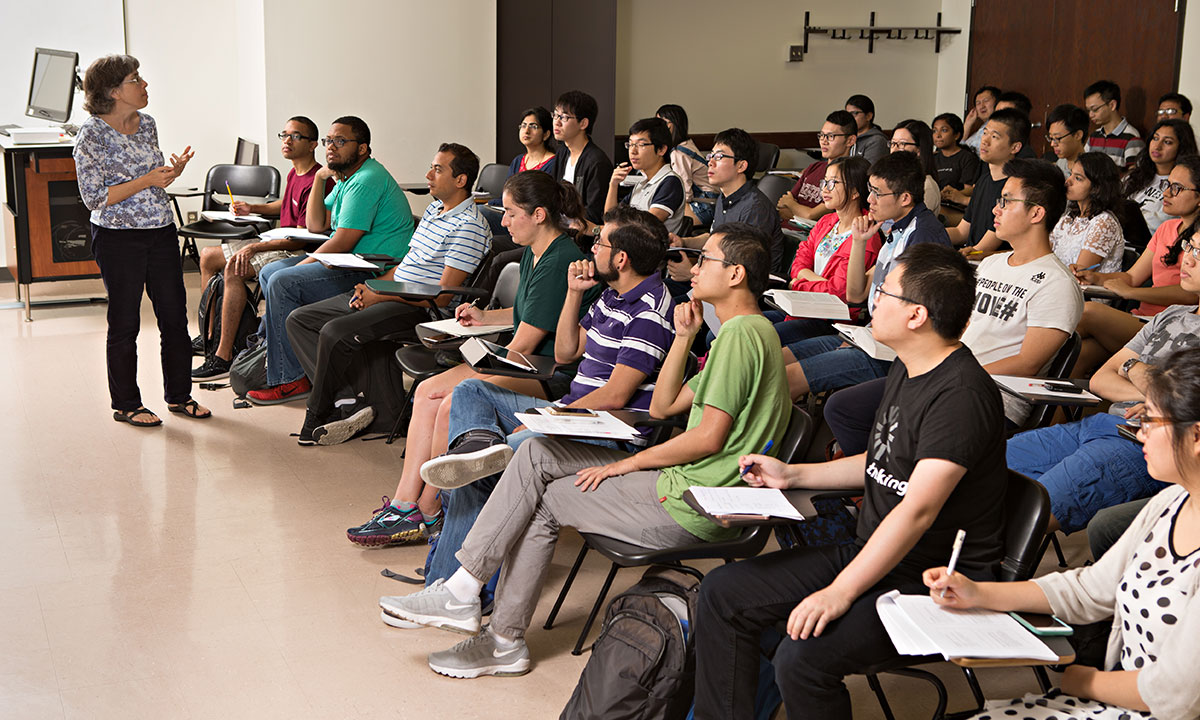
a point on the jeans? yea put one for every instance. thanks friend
(828, 366)
(1085, 466)
(288, 286)
(798, 329)
(132, 261)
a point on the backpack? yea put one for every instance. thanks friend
(249, 368)
(643, 664)
(211, 302)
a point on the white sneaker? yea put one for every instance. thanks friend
(481, 655)
(435, 606)
(456, 469)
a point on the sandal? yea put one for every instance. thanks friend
(190, 408)
(127, 416)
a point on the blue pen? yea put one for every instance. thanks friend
(766, 449)
(1090, 267)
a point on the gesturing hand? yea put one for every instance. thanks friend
(179, 162)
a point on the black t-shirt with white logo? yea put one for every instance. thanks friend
(954, 413)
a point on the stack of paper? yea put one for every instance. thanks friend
(918, 626)
(762, 502)
(349, 261)
(600, 425)
(287, 233)
(810, 304)
(862, 337)
(223, 198)
(226, 216)
(450, 326)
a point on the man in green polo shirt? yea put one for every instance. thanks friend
(736, 405)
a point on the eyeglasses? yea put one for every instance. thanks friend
(1003, 201)
(336, 142)
(702, 257)
(829, 183)
(638, 145)
(1148, 421)
(1193, 248)
(135, 79)
(1056, 139)
(529, 126)
(875, 192)
(716, 157)
(1169, 111)
(296, 137)
(596, 243)
(562, 116)
(880, 291)
(899, 144)
(823, 136)
(1171, 189)
(1095, 108)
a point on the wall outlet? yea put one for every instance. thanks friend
(192, 217)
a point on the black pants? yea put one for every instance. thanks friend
(329, 340)
(850, 413)
(130, 261)
(738, 601)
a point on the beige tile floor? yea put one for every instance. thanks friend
(200, 570)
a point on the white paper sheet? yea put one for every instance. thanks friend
(862, 337)
(1034, 386)
(450, 326)
(767, 502)
(603, 425)
(284, 233)
(226, 216)
(798, 303)
(923, 628)
(343, 260)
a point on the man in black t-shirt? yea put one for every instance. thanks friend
(1006, 132)
(935, 465)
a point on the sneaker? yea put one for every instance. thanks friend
(481, 454)
(340, 431)
(392, 526)
(214, 368)
(435, 606)
(278, 394)
(481, 655)
(198, 345)
(311, 423)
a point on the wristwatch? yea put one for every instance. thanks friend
(1127, 366)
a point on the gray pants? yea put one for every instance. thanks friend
(518, 526)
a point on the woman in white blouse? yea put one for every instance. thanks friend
(1088, 235)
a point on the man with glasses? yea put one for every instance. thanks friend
(1113, 136)
(243, 259)
(837, 138)
(1066, 131)
(737, 404)
(660, 191)
(1174, 106)
(366, 212)
(1004, 134)
(580, 161)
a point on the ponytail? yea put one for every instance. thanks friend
(534, 189)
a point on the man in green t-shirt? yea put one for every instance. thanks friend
(736, 405)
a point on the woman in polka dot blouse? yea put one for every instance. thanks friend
(1148, 583)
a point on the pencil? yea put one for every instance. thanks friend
(230, 195)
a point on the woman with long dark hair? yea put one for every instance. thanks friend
(688, 163)
(1168, 141)
(1088, 235)
(914, 136)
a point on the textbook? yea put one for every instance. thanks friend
(918, 626)
(798, 303)
(226, 216)
(287, 233)
(744, 501)
(450, 326)
(861, 336)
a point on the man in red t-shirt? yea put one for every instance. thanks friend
(837, 140)
(241, 260)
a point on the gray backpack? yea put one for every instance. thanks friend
(249, 368)
(643, 663)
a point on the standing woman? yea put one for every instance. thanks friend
(121, 175)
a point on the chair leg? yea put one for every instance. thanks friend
(587, 626)
(977, 691)
(1062, 561)
(562, 594)
(1043, 679)
(873, 682)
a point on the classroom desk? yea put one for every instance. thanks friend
(416, 188)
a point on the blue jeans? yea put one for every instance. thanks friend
(288, 286)
(479, 405)
(1085, 466)
(828, 366)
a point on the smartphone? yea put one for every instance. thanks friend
(439, 337)
(570, 412)
(1040, 624)
(1062, 387)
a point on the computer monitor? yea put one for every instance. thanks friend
(52, 89)
(246, 152)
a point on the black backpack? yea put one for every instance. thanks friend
(211, 301)
(643, 664)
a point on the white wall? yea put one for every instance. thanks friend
(1189, 66)
(952, 61)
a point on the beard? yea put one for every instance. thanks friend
(340, 167)
(606, 275)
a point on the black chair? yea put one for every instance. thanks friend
(1060, 367)
(774, 186)
(256, 180)
(768, 157)
(748, 543)
(491, 179)
(1133, 224)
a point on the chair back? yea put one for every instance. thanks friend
(1128, 257)
(1060, 367)
(768, 157)
(505, 294)
(491, 179)
(798, 436)
(258, 180)
(1026, 517)
(1133, 223)
(774, 186)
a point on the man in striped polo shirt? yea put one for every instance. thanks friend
(1113, 136)
(620, 344)
(329, 337)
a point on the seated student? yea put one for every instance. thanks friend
(837, 140)
(329, 337)
(737, 403)
(580, 161)
(983, 104)
(660, 191)
(1086, 465)
(1088, 236)
(1066, 131)
(1170, 139)
(1105, 329)
(689, 164)
(870, 142)
(823, 259)
(935, 466)
(1006, 132)
(1026, 302)
(537, 136)
(537, 212)
(1021, 103)
(914, 136)
(1147, 583)
(1113, 136)
(731, 170)
(241, 260)
(366, 212)
(1173, 106)
(955, 168)
(622, 341)
(893, 194)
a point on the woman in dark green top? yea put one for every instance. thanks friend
(537, 209)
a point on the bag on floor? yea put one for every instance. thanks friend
(643, 664)
(249, 369)
(211, 302)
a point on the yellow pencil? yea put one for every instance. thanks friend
(230, 195)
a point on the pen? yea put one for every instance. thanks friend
(958, 543)
(230, 195)
(1089, 267)
(766, 449)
